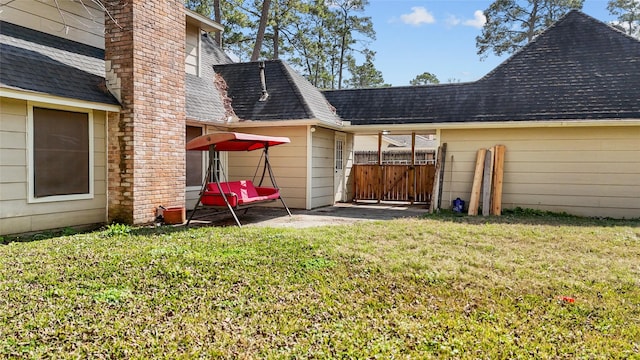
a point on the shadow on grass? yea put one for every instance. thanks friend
(101, 230)
(48, 234)
(531, 217)
(224, 220)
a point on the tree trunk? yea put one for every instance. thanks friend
(531, 31)
(345, 30)
(276, 41)
(341, 64)
(261, 28)
(218, 19)
(317, 67)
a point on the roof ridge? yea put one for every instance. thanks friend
(600, 22)
(415, 87)
(296, 89)
(564, 18)
(578, 70)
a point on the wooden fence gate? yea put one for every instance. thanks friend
(410, 183)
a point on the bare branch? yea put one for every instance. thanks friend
(101, 5)
(64, 21)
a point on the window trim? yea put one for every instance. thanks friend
(199, 66)
(31, 153)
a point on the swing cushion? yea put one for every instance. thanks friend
(238, 193)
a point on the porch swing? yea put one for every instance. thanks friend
(235, 195)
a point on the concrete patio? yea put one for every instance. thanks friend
(339, 214)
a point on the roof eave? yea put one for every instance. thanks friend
(57, 100)
(280, 123)
(374, 128)
(202, 22)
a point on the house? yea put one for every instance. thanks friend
(567, 107)
(270, 98)
(95, 111)
(53, 116)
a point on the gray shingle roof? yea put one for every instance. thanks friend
(204, 101)
(34, 61)
(291, 96)
(580, 68)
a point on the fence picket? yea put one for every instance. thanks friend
(394, 182)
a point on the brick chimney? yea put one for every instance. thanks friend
(144, 53)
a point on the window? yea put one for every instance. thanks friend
(194, 159)
(339, 154)
(61, 153)
(192, 50)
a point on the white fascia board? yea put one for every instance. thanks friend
(56, 100)
(280, 123)
(202, 22)
(364, 129)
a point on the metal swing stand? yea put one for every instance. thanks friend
(235, 142)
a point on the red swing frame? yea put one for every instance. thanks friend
(239, 194)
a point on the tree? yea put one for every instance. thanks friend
(312, 42)
(628, 13)
(234, 37)
(365, 75)
(318, 37)
(425, 78)
(348, 25)
(264, 17)
(248, 22)
(512, 24)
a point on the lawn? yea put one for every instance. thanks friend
(519, 286)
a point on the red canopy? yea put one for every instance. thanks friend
(232, 141)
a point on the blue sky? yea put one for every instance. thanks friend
(414, 36)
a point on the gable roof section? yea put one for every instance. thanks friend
(42, 63)
(204, 101)
(291, 96)
(579, 68)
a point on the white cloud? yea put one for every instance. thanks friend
(478, 20)
(418, 16)
(624, 26)
(452, 20)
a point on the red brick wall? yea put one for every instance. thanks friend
(146, 156)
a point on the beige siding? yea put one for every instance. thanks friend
(368, 143)
(349, 151)
(192, 50)
(322, 171)
(17, 215)
(84, 24)
(288, 162)
(588, 171)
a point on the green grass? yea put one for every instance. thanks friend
(443, 286)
